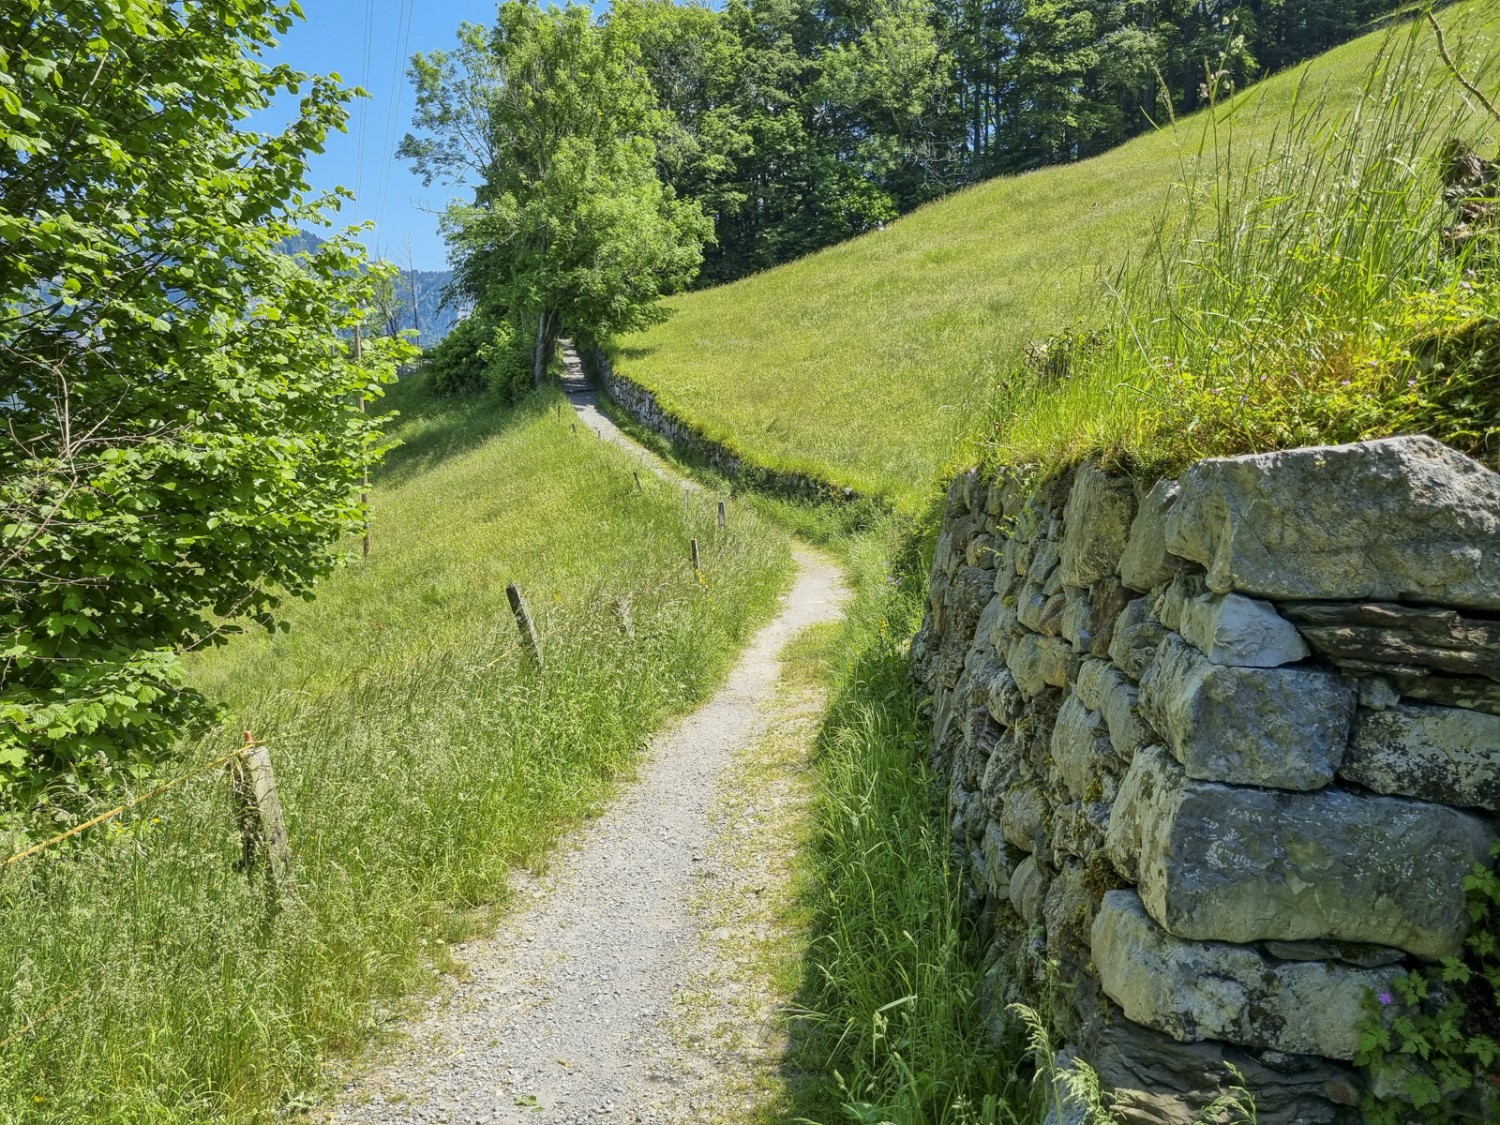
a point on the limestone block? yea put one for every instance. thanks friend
(1040, 611)
(1028, 890)
(1155, 1080)
(1450, 691)
(1420, 636)
(1004, 699)
(1036, 661)
(1078, 827)
(1107, 598)
(1195, 990)
(1077, 618)
(1079, 743)
(1401, 519)
(994, 498)
(996, 868)
(1104, 688)
(1224, 863)
(1004, 626)
(1022, 813)
(1044, 561)
(1149, 789)
(1377, 693)
(1229, 628)
(1096, 525)
(981, 552)
(1444, 754)
(1136, 636)
(1281, 727)
(1243, 632)
(1001, 773)
(1145, 562)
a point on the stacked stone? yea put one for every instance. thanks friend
(642, 405)
(1221, 751)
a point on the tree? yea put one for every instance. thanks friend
(182, 440)
(571, 228)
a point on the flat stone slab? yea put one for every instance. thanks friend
(1280, 727)
(1195, 990)
(1226, 863)
(1444, 754)
(1402, 519)
(1383, 633)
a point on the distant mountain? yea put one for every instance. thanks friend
(419, 294)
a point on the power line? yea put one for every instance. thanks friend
(364, 109)
(404, 21)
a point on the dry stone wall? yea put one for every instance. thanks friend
(1220, 752)
(642, 405)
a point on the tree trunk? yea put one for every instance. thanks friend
(542, 351)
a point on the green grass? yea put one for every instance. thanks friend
(887, 1022)
(420, 760)
(865, 364)
(1313, 296)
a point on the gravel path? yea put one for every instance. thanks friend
(566, 1013)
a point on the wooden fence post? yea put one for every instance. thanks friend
(639, 487)
(687, 500)
(524, 623)
(257, 802)
(723, 516)
(697, 570)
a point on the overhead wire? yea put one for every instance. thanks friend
(364, 110)
(404, 20)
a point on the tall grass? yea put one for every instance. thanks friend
(1301, 294)
(864, 363)
(891, 995)
(420, 760)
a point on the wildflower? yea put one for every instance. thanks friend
(1386, 999)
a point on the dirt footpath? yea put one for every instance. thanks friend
(573, 1010)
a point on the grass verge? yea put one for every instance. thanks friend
(420, 758)
(889, 1002)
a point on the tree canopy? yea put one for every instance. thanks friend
(570, 227)
(182, 427)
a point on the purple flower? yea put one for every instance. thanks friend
(1386, 999)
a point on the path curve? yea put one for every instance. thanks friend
(565, 1014)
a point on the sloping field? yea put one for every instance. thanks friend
(421, 758)
(863, 364)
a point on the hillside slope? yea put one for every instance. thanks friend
(863, 363)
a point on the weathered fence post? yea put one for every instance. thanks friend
(639, 487)
(723, 516)
(687, 500)
(524, 623)
(257, 806)
(697, 570)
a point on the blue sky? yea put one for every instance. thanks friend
(333, 39)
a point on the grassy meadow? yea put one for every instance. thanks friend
(866, 363)
(420, 760)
